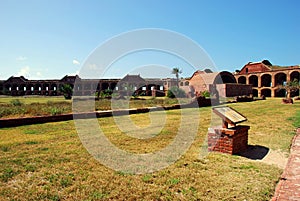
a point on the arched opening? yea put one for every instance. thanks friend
(14, 90)
(242, 80)
(46, 88)
(186, 83)
(295, 93)
(266, 80)
(7, 89)
(53, 89)
(29, 89)
(113, 85)
(104, 86)
(255, 93)
(253, 79)
(37, 89)
(226, 77)
(280, 93)
(266, 92)
(280, 79)
(295, 75)
(22, 89)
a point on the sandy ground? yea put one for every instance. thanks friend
(276, 158)
(265, 155)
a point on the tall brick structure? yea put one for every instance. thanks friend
(265, 78)
(224, 82)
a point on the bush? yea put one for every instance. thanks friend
(56, 111)
(107, 93)
(16, 102)
(67, 90)
(205, 94)
(175, 92)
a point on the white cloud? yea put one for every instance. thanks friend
(21, 58)
(25, 71)
(76, 62)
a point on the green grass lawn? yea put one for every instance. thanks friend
(48, 161)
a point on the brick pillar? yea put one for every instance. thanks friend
(273, 92)
(273, 80)
(154, 91)
(258, 92)
(228, 140)
(288, 77)
(258, 81)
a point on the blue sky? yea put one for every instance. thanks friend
(48, 39)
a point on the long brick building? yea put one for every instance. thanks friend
(257, 78)
(20, 86)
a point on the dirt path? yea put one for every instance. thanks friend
(276, 157)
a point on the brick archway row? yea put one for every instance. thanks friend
(19, 86)
(266, 83)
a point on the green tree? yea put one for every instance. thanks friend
(67, 90)
(290, 87)
(176, 71)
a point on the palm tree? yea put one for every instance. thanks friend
(290, 87)
(176, 71)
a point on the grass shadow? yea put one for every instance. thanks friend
(255, 152)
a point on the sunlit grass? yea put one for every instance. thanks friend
(48, 161)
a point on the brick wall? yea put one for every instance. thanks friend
(232, 89)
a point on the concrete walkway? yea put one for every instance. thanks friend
(288, 187)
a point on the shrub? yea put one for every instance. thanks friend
(205, 94)
(176, 92)
(67, 90)
(107, 93)
(16, 102)
(56, 111)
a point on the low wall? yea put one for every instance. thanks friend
(13, 122)
(232, 89)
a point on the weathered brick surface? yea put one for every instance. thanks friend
(230, 141)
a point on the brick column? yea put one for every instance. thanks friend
(228, 140)
(273, 92)
(258, 81)
(273, 80)
(258, 92)
(288, 77)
